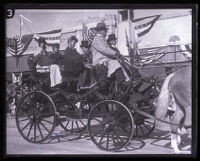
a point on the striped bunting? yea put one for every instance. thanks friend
(51, 37)
(186, 50)
(16, 47)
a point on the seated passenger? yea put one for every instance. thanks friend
(86, 77)
(43, 61)
(73, 62)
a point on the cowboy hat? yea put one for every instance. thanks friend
(101, 26)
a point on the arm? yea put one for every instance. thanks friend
(101, 46)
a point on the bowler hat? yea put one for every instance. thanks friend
(112, 37)
(101, 26)
(73, 38)
(84, 44)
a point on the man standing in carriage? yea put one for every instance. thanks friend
(103, 54)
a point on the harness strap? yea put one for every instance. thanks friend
(152, 117)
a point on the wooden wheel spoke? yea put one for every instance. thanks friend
(44, 127)
(25, 126)
(77, 124)
(35, 131)
(102, 137)
(149, 122)
(113, 140)
(66, 124)
(40, 130)
(82, 123)
(118, 137)
(72, 127)
(142, 130)
(29, 130)
(23, 120)
(107, 142)
(46, 121)
(97, 120)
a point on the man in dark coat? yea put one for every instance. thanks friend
(72, 60)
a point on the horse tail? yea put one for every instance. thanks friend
(162, 102)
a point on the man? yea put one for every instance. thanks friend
(112, 42)
(43, 61)
(56, 56)
(103, 54)
(85, 77)
(72, 60)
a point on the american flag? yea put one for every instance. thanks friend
(152, 55)
(142, 26)
(17, 45)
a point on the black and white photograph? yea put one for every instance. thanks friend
(99, 81)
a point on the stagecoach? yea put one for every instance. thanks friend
(108, 114)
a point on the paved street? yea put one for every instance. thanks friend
(65, 143)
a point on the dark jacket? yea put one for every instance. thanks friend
(43, 59)
(73, 62)
(56, 58)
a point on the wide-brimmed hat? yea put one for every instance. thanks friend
(111, 37)
(101, 26)
(73, 38)
(84, 44)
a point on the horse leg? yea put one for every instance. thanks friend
(175, 130)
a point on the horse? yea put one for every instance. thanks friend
(13, 90)
(175, 95)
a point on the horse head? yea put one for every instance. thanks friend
(17, 80)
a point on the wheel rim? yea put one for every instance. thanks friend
(143, 126)
(75, 124)
(36, 117)
(110, 125)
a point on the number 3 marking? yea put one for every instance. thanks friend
(9, 13)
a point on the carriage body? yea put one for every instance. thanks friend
(106, 114)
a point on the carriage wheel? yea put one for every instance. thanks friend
(76, 124)
(36, 116)
(144, 126)
(110, 125)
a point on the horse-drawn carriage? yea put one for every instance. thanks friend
(106, 111)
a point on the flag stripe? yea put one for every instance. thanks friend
(50, 32)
